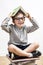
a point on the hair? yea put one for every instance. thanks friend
(17, 14)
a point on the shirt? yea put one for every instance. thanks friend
(18, 36)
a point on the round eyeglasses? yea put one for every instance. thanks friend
(19, 18)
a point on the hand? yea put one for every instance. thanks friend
(28, 16)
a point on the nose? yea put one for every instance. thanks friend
(20, 20)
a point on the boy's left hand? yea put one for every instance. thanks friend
(28, 16)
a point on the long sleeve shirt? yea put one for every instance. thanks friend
(18, 36)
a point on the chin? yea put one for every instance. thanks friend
(20, 26)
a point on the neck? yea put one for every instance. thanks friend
(18, 27)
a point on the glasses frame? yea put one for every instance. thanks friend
(19, 18)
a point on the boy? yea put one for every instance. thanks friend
(18, 35)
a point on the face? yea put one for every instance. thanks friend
(19, 20)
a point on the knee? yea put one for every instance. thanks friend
(10, 48)
(36, 45)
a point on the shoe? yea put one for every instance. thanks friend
(10, 54)
(36, 54)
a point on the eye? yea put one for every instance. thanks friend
(19, 18)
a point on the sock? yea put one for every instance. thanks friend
(30, 55)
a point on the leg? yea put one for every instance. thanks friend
(32, 47)
(12, 48)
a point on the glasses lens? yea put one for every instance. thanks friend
(20, 18)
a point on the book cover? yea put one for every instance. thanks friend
(13, 13)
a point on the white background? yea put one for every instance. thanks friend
(35, 8)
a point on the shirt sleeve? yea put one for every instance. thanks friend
(33, 27)
(5, 26)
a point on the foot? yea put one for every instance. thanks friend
(30, 55)
(36, 54)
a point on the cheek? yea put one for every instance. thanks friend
(16, 22)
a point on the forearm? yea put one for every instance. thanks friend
(5, 25)
(5, 21)
(34, 24)
(33, 21)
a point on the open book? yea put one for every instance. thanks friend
(13, 13)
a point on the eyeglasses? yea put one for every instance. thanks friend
(20, 18)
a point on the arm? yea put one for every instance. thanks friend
(5, 25)
(34, 24)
